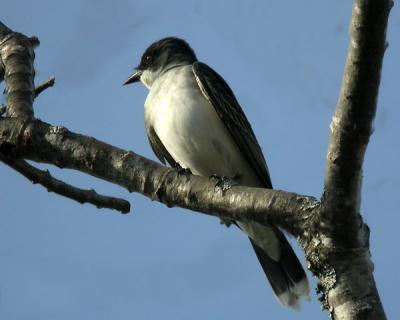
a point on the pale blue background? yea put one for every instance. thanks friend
(283, 59)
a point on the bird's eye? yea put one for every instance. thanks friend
(147, 58)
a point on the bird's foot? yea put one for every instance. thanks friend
(184, 171)
(223, 184)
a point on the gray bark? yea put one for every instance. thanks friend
(331, 231)
(52, 184)
(21, 138)
(354, 294)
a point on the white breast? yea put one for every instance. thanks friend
(190, 129)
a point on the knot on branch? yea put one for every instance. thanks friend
(59, 130)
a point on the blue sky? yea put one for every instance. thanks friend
(283, 59)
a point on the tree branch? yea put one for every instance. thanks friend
(351, 125)
(45, 85)
(38, 90)
(349, 264)
(16, 58)
(54, 185)
(65, 149)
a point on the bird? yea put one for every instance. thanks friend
(194, 122)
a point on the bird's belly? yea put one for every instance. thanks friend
(197, 139)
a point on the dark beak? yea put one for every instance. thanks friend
(135, 77)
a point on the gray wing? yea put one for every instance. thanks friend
(158, 148)
(221, 97)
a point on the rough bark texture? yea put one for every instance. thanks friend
(331, 231)
(354, 294)
(21, 138)
(16, 54)
(57, 186)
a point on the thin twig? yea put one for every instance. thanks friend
(45, 85)
(38, 90)
(52, 184)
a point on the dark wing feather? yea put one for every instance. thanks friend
(218, 93)
(158, 148)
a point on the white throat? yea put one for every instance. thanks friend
(148, 77)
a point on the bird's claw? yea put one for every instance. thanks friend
(184, 171)
(223, 184)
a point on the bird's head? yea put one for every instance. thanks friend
(159, 57)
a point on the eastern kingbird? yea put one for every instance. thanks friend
(194, 121)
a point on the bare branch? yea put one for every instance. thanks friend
(45, 85)
(16, 59)
(41, 142)
(38, 90)
(349, 264)
(351, 126)
(64, 189)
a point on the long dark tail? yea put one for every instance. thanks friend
(286, 276)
